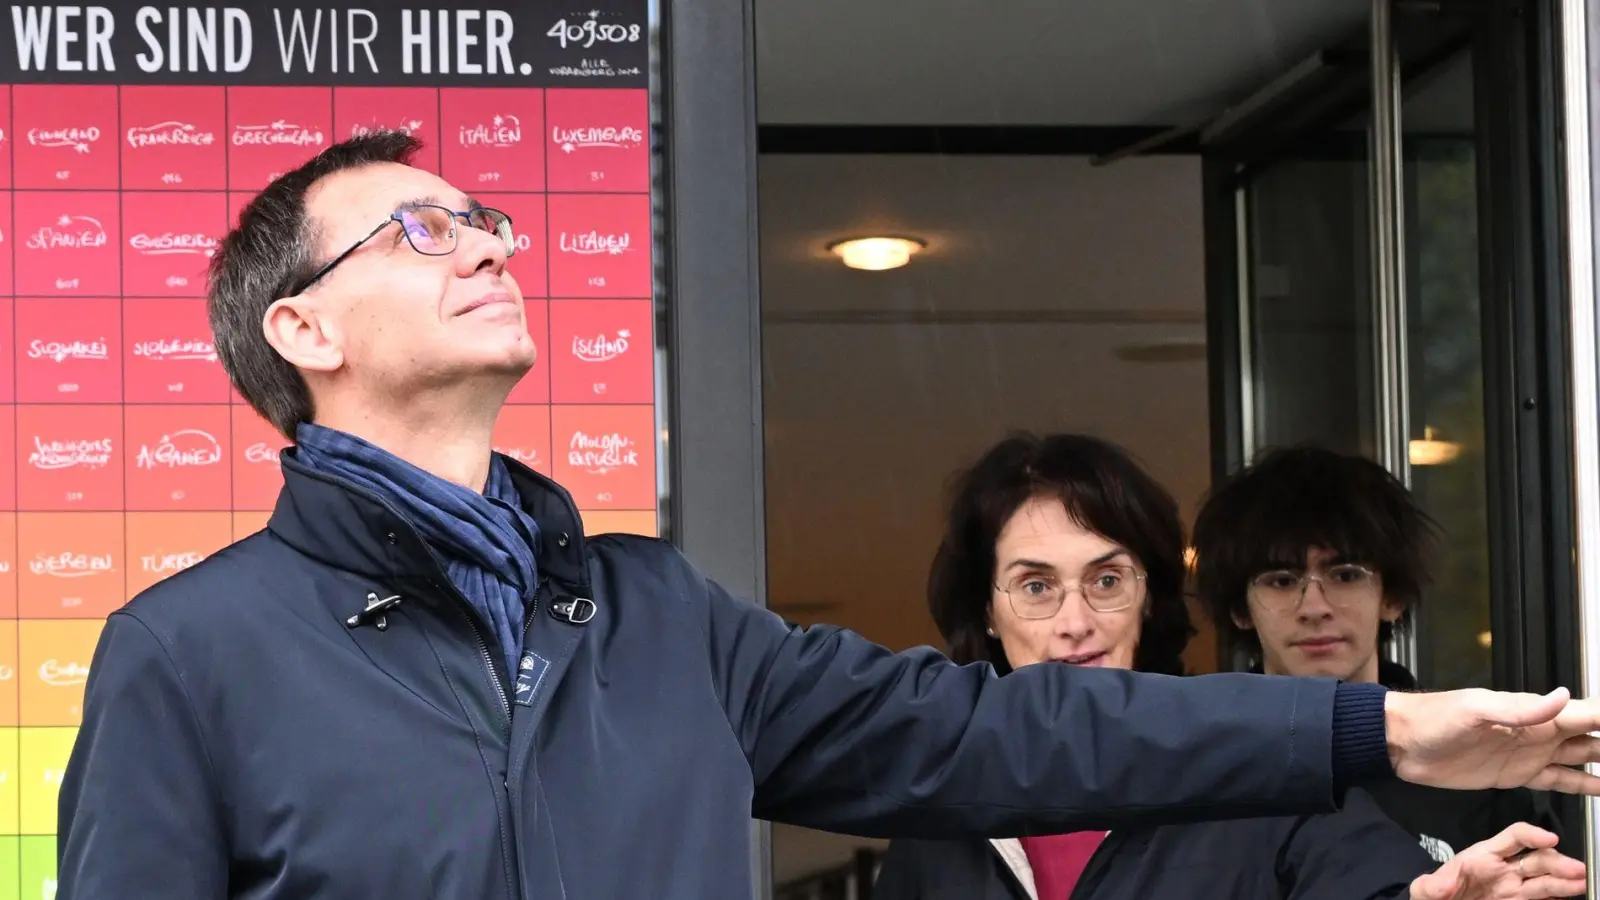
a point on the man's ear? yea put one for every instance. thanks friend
(303, 335)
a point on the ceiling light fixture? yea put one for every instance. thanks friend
(875, 254)
(1430, 451)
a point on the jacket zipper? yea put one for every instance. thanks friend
(470, 615)
(532, 603)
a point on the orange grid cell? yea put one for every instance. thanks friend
(8, 566)
(55, 657)
(162, 544)
(640, 522)
(71, 565)
(606, 455)
(9, 663)
(177, 458)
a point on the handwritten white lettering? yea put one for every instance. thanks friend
(61, 351)
(181, 449)
(176, 348)
(600, 348)
(169, 243)
(277, 134)
(63, 674)
(528, 456)
(502, 131)
(167, 563)
(93, 454)
(261, 452)
(71, 232)
(614, 137)
(76, 139)
(592, 243)
(601, 453)
(71, 565)
(169, 134)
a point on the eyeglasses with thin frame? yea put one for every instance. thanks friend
(1034, 595)
(1283, 590)
(430, 230)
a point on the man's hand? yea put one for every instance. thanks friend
(1476, 739)
(1493, 870)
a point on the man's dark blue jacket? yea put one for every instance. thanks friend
(252, 730)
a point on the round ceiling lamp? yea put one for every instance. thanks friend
(875, 254)
(1431, 451)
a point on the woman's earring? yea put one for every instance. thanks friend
(990, 632)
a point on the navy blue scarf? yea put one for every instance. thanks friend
(486, 540)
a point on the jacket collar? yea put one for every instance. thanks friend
(351, 528)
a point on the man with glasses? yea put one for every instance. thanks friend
(1309, 559)
(423, 680)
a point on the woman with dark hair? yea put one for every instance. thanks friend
(1061, 550)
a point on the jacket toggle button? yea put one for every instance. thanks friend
(376, 611)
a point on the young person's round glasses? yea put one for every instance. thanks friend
(1284, 589)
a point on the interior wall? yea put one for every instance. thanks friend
(1054, 296)
(1042, 273)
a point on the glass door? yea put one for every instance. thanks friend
(1444, 347)
(1320, 343)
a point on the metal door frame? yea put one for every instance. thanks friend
(714, 427)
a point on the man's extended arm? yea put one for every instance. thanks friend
(842, 734)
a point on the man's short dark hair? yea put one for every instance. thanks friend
(269, 256)
(1105, 492)
(1293, 499)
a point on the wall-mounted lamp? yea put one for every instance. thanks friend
(874, 254)
(1430, 451)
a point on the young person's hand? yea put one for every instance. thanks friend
(1520, 862)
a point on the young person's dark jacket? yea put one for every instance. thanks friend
(1447, 822)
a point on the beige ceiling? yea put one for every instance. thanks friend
(1029, 62)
